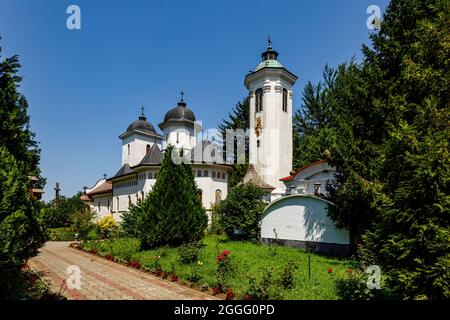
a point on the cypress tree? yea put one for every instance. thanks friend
(172, 214)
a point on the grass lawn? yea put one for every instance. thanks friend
(248, 260)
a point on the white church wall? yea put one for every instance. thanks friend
(209, 185)
(301, 218)
(134, 148)
(101, 205)
(179, 136)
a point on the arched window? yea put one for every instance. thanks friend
(285, 100)
(199, 173)
(218, 196)
(213, 174)
(128, 145)
(223, 175)
(205, 173)
(142, 195)
(129, 201)
(99, 206)
(150, 175)
(200, 194)
(108, 204)
(258, 100)
(178, 137)
(155, 176)
(117, 198)
(147, 148)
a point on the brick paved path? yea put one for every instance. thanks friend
(104, 280)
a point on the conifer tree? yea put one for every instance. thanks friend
(172, 214)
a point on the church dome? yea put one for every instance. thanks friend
(141, 125)
(180, 113)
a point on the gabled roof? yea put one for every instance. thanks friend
(152, 157)
(292, 177)
(105, 187)
(253, 177)
(123, 171)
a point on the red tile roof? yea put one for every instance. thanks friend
(292, 177)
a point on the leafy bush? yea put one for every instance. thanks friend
(59, 213)
(61, 234)
(82, 222)
(224, 269)
(354, 287)
(240, 212)
(107, 227)
(287, 277)
(189, 252)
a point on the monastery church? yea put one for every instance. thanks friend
(296, 213)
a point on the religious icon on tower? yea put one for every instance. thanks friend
(258, 127)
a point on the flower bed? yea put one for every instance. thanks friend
(232, 269)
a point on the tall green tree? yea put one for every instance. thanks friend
(22, 230)
(411, 237)
(172, 213)
(238, 119)
(15, 133)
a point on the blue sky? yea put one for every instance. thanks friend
(85, 86)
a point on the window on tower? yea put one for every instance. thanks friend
(285, 100)
(147, 148)
(258, 100)
(128, 145)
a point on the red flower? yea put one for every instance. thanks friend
(222, 256)
(174, 277)
(349, 271)
(216, 290)
(230, 294)
(330, 270)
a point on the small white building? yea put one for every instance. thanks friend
(300, 219)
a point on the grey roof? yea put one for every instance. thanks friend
(123, 171)
(152, 157)
(141, 125)
(253, 177)
(180, 113)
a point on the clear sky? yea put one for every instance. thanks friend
(85, 86)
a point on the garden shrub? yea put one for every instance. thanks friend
(240, 212)
(82, 222)
(189, 252)
(287, 277)
(107, 227)
(61, 234)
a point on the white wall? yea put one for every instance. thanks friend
(101, 205)
(301, 218)
(209, 185)
(186, 136)
(138, 148)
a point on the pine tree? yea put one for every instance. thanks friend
(238, 119)
(411, 237)
(15, 133)
(172, 214)
(22, 230)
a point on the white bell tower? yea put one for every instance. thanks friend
(270, 93)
